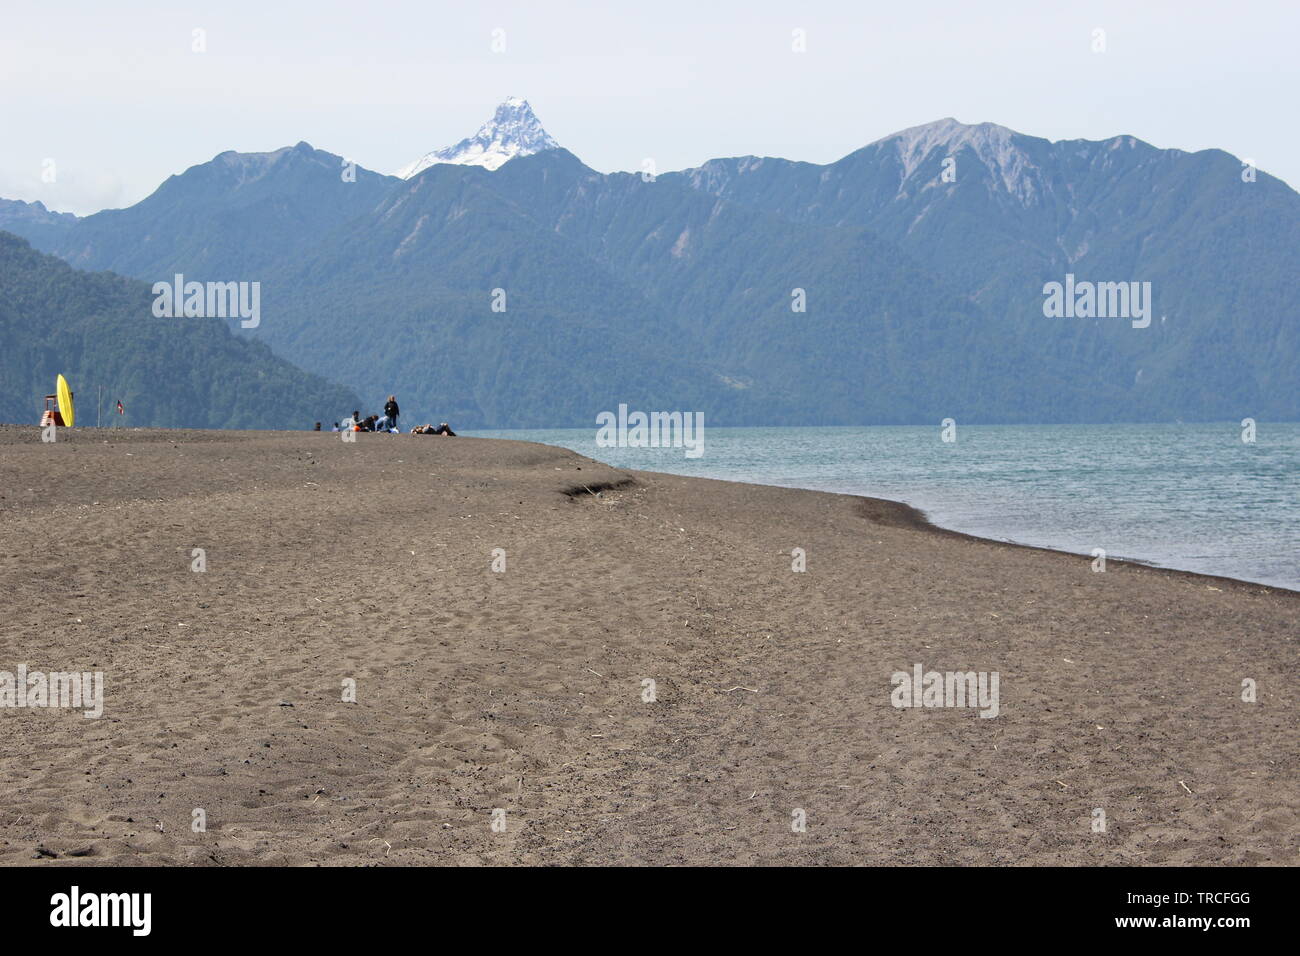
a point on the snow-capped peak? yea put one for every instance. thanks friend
(513, 131)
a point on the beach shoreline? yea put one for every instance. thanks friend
(523, 689)
(1146, 536)
(919, 519)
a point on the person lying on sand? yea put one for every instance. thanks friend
(443, 429)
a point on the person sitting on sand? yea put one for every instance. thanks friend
(443, 429)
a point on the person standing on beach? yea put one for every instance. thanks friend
(391, 411)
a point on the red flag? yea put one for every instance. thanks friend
(120, 409)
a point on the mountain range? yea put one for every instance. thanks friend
(903, 283)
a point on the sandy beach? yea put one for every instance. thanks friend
(525, 689)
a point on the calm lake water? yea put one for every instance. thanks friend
(1194, 497)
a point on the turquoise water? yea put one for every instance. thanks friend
(1194, 497)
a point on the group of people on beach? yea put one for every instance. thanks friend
(386, 423)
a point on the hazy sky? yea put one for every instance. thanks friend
(115, 96)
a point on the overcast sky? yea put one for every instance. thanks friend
(115, 96)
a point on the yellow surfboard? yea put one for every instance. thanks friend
(66, 411)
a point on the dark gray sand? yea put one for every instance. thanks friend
(523, 690)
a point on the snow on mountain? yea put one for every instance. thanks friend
(513, 131)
